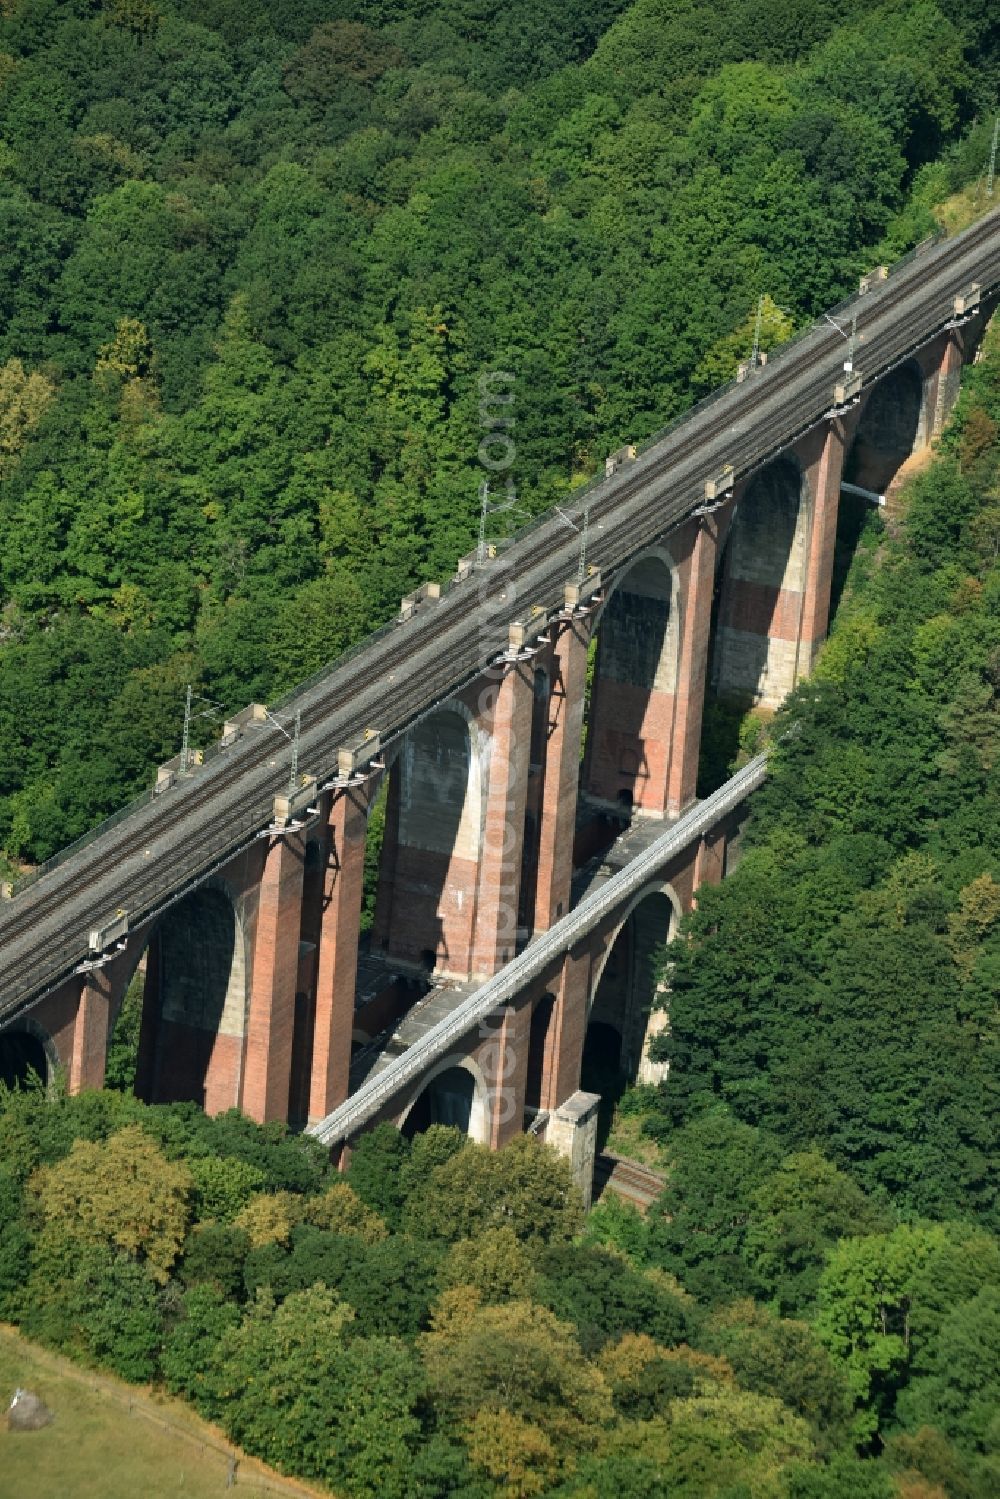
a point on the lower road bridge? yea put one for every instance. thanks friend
(506, 1053)
(515, 760)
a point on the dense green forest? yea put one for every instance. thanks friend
(812, 1308)
(254, 259)
(435, 1324)
(253, 262)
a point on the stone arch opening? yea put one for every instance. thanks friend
(453, 1094)
(890, 429)
(24, 1059)
(621, 1020)
(630, 708)
(429, 862)
(892, 426)
(602, 1071)
(178, 1033)
(759, 592)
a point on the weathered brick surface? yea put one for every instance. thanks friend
(507, 711)
(710, 860)
(631, 728)
(764, 568)
(433, 910)
(343, 887)
(56, 1016)
(425, 912)
(90, 1037)
(198, 1066)
(268, 1053)
(568, 1027)
(502, 1058)
(567, 665)
(698, 544)
(648, 693)
(822, 457)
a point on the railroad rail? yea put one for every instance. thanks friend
(634, 1182)
(146, 860)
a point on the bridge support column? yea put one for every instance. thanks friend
(562, 771)
(495, 937)
(504, 1063)
(90, 1033)
(697, 586)
(572, 1131)
(949, 378)
(823, 477)
(568, 1027)
(338, 949)
(268, 1060)
(710, 860)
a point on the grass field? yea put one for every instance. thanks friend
(99, 1448)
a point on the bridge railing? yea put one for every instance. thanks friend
(28, 877)
(357, 1110)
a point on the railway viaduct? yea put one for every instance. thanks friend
(542, 830)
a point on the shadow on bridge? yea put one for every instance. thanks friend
(623, 1017)
(178, 1033)
(23, 1060)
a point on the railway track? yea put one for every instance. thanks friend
(634, 1183)
(398, 676)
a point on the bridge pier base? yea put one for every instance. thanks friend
(268, 1057)
(824, 471)
(698, 584)
(572, 1131)
(495, 936)
(562, 771)
(710, 861)
(90, 1033)
(337, 968)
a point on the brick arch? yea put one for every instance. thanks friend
(632, 948)
(479, 1120)
(40, 1042)
(630, 723)
(141, 937)
(196, 999)
(760, 587)
(610, 937)
(434, 830)
(659, 553)
(442, 770)
(893, 423)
